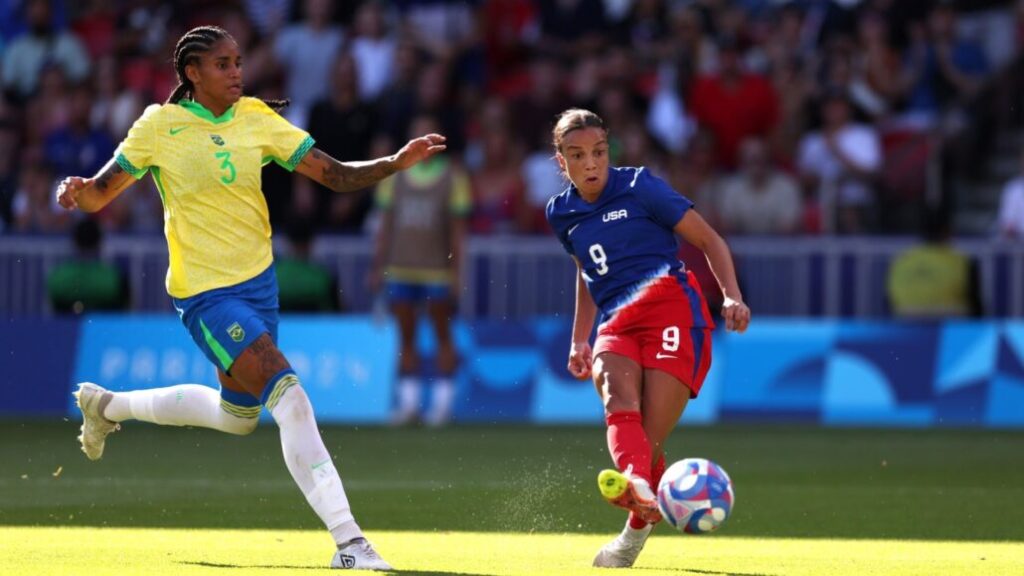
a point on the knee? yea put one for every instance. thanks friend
(297, 409)
(617, 395)
(244, 426)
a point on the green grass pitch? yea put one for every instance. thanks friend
(509, 500)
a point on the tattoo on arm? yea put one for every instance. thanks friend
(349, 176)
(102, 182)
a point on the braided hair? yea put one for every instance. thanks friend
(197, 41)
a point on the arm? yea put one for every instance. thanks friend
(350, 176)
(580, 355)
(92, 194)
(696, 231)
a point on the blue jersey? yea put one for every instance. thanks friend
(624, 240)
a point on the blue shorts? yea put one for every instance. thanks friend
(225, 321)
(416, 292)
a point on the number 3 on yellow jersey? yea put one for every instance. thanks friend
(226, 165)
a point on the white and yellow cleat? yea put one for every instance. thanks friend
(358, 554)
(624, 549)
(95, 427)
(633, 493)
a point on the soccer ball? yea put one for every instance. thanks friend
(695, 496)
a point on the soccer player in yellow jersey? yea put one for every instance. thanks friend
(204, 148)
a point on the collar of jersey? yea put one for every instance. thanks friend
(201, 111)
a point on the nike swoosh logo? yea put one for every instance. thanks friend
(571, 230)
(661, 356)
(174, 131)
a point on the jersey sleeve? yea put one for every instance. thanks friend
(136, 152)
(460, 203)
(284, 143)
(551, 213)
(664, 204)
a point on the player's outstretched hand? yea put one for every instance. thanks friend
(736, 314)
(581, 359)
(67, 192)
(419, 149)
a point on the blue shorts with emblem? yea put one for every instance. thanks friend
(225, 321)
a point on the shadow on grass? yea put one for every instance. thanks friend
(292, 567)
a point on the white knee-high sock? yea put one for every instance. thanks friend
(181, 405)
(410, 388)
(441, 405)
(308, 460)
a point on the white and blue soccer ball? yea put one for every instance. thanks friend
(695, 496)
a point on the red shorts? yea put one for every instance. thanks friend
(667, 329)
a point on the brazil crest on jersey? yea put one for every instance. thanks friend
(208, 172)
(624, 240)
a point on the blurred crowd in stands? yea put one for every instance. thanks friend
(776, 117)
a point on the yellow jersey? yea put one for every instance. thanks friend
(208, 172)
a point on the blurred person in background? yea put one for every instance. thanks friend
(943, 69)
(759, 199)
(343, 125)
(733, 104)
(205, 147)
(303, 284)
(795, 88)
(34, 209)
(571, 28)
(696, 176)
(639, 149)
(448, 31)
(437, 95)
(304, 50)
(840, 162)
(417, 265)
(86, 283)
(268, 16)
(114, 108)
(1010, 217)
(96, 26)
(396, 111)
(498, 190)
(43, 45)
(934, 280)
(48, 110)
(535, 111)
(653, 345)
(78, 148)
(877, 65)
(510, 29)
(373, 48)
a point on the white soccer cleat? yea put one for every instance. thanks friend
(358, 554)
(95, 427)
(624, 549)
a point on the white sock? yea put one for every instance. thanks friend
(309, 462)
(409, 391)
(441, 407)
(181, 405)
(631, 534)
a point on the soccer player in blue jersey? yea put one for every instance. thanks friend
(653, 345)
(205, 148)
